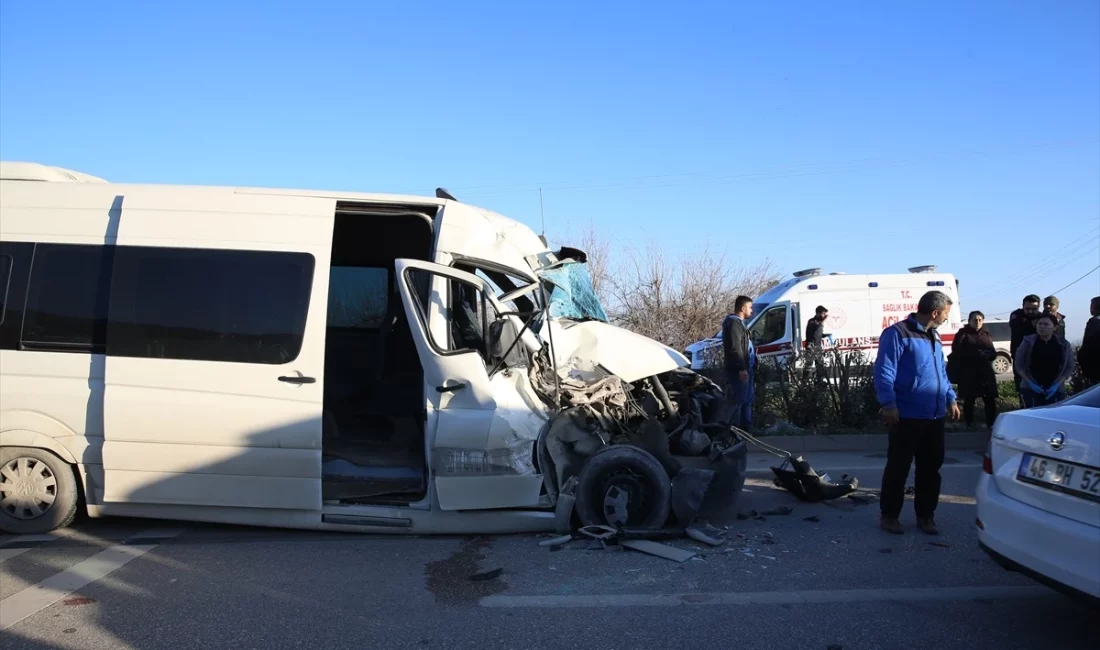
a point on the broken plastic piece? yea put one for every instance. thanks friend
(802, 481)
(660, 550)
(700, 536)
(556, 541)
(597, 531)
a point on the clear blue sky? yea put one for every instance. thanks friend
(863, 137)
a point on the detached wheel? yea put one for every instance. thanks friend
(1002, 365)
(623, 486)
(37, 491)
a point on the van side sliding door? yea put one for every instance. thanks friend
(215, 356)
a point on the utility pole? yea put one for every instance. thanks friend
(542, 214)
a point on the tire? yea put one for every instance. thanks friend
(623, 486)
(1002, 365)
(38, 491)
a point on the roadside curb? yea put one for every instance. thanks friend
(962, 440)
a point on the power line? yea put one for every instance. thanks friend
(1054, 293)
(1056, 263)
(787, 171)
(1058, 291)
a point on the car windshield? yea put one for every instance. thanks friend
(571, 293)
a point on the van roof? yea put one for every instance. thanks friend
(31, 171)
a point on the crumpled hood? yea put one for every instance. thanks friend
(621, 352)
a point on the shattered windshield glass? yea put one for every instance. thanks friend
(571, 293)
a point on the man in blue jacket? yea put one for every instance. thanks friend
(916, 397)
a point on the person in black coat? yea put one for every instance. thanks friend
(1088, 357)
(973, 352)
(1022, 324)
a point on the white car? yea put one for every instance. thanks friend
(1039, 496)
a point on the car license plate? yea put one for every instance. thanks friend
(1071, 478)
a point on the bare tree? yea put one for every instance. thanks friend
(675, 299)
(680, 301)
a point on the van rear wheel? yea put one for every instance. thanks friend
(37, 491)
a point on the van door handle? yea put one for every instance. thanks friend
(299, 379)
(450, 389)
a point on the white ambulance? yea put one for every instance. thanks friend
(860, 307)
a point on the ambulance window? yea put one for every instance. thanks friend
(772, 325)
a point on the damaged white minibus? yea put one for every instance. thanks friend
(328, 360)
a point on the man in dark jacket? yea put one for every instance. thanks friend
(911, 383)
(1050, 307)
(815, 334)
(1021, 323)
(740, 362)
(1088, 357)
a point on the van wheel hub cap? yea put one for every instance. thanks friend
(28, 488)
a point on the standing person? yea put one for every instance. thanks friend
(815, 348)
(740, 356)
(1088, 357)
(974, 352)
(911, 384)
(1021, 324)
(1050, 307)
(1045, 363)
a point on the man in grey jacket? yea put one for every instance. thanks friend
(740, 363)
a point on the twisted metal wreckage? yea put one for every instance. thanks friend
(610, 450)
(622, 434)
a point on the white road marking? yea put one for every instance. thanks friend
(20, 605)
(861, 468)
(7, 552)
(770, 597)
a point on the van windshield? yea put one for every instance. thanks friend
(571, 293)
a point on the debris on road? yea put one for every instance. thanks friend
(556, 541)
(940, 544)
(812, 518)
(660, 550)
(751, 514)
(700, 535)
(864, 498)
(487, 575)
(886, 550)
(778, 512)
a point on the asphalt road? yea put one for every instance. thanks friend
(784, 582)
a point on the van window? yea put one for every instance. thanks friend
(67, 297)
(999, 331)
(771, 326)
(209, 305)
(468, 315)
(358, 296)
(5, 280)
